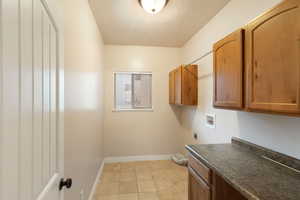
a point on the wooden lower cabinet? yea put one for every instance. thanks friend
(223, 191)
(213, 187)
(198, 189)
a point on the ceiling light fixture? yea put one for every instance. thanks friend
(153, 6)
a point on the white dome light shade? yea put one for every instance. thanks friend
(153, 6)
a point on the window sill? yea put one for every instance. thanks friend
(134, 110)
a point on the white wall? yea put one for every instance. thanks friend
(83, 97)
(141, 133)
(280, 133)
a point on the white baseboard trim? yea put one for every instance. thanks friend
(96, 181)
(137, 158)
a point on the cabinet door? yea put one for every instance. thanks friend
(223, 191)
(228, 71)
(172, 87)
(178, 83)
(198, 189)
(190, 85)
(273, 60)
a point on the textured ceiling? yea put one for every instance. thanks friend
(124, 22)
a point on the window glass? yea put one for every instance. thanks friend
(133, 91)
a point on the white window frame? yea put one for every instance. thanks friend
(115, 109)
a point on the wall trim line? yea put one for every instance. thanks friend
(137, 158)
(97, 180)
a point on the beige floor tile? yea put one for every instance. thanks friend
(143, 180)
(180, 169)
(163, 185)
(175, 166)
(128, 187)
(128, 197)
(110, 177)
(144, 166)
(142, 163)
(172, 196)
(144, 175)
(127, 176)
(107, 189)
(111, 167)
(161, 174)
(128, 170)
(172, 190)
(112, 197)
(157, 165)
(181, 187)
(181, 196)
(175, 175)
(127, 166)
(148, 196)
(183, 176)
(146, 186)
(166, 164)
(143, 169)
(165, 196)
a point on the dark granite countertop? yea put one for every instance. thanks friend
(249, 172)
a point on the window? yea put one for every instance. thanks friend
(133, 91)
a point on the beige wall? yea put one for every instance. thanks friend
(83, 97)
(141, 133)
(280, 133)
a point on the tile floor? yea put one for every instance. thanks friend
(143, 180)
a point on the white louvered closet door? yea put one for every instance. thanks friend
(31, 137)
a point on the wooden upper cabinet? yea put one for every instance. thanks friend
(183, 85)
(190, 85)
(172, 87)
(178, 83)
(273, 60)
(228, 71)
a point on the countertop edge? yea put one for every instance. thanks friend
(244, 192)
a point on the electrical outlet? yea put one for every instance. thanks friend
(210, 120)
(82, 195)
(195, 136)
